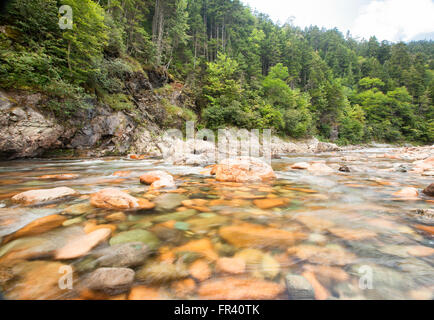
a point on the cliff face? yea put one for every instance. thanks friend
(28, 129)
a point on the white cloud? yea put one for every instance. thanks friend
(395, 20)
(391, 20)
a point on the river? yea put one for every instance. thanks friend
(358, 241)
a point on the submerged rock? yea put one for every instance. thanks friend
(38, 280)
(112, 198)
(162, 272)
(137, 235)
(239, 289)
(252, 235)
(43, 195)
(111, 279)
(80, 246)
(169, 201)
(409, 193)
(37, 226)
(200, 270)
(429, 191)
(62, 176)
(231, 265)
(243, 169)
(299, 288)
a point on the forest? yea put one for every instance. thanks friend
(239, 67)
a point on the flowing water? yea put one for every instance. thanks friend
(358, 240)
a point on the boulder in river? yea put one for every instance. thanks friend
(43, 195)
(243, 169)
(112, 198)
(429, 191)
(158, 179)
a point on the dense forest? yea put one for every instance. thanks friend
(239, 67)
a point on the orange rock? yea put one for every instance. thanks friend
(202, 246)
(37, 226)
(117, 216)
(43, 195)
(166, 255)
(63, 176)
(420, 251)
(252, 235)
(80, 246)
(270, 203)
(321, 293)
(352, 234)
(243, 169)
(122, 173)
(200, 270)
(240, 289)
(300, 166)
(407, 193)
(158, 179)
(429, 229)
(183, 288)
(92, 226)
(145, 204)
(38, 280)
(112, 198)
(231, 265)
(144, 293)
(197, 204)
(137, 157)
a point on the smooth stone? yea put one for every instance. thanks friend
(111, 279)
(169, 201)
(43, 195)
(137, 235)
(129, 254)
(78, 209)
(80, 246)
(243, 169)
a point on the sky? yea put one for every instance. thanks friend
(392, 20)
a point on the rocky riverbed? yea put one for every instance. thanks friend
(344, 224)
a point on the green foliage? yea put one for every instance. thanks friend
(118, 101)
(86, 40)
(240, 68)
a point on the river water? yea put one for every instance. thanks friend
(359, 241)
